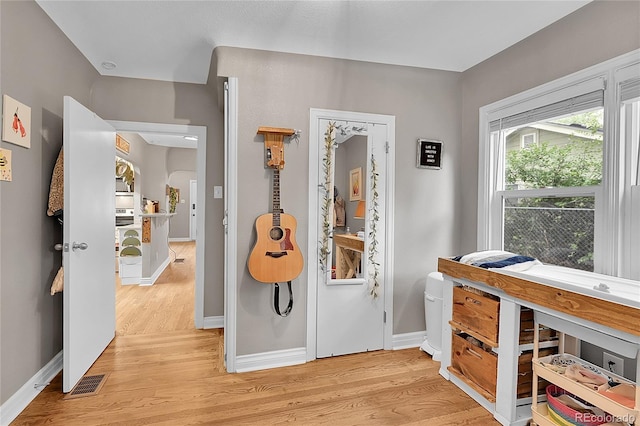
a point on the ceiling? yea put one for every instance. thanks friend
(162, 139)
(173, 40)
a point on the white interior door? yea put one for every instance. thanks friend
(193, 197)
(349, 318)
(88, 240)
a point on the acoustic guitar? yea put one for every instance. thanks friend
(276, 256)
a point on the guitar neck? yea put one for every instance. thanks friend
(276, 197)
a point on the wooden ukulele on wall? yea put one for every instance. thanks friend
(276, 256)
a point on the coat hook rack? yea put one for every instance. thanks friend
(296, 135)
(273, 144)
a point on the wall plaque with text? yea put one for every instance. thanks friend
(429, 154)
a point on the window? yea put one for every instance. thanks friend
(528, 139)
(556, 182)
(557, 225)
(630, 137)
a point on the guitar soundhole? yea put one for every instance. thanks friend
(276, 233)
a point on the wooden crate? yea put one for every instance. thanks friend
(526, 328)
(473, 362)
(477, 313)
(481, 367)
(525, 372)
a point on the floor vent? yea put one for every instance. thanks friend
(179, 260)
(87, 386)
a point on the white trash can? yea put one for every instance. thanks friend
(433, 315)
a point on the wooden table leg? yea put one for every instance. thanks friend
(339, 261)
(345, 263)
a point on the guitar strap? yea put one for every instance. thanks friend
(276, 300)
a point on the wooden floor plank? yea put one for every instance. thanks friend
(164, 372)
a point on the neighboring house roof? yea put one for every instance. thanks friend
(566, 129)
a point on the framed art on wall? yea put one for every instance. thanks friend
(5, 165)
(122, 144)
(355, 184)
(16, 122)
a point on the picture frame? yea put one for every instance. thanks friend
(5, 165)
(429, 154)
(355, 184)
(122, 144)
(16, 122)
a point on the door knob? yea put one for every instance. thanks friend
(81, 246)
(58, 247)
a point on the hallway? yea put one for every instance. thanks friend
(167, 305)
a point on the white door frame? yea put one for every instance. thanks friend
(315, 184)
(230, 221)
(201, 166)
(193, 195)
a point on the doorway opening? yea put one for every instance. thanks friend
(182, 249)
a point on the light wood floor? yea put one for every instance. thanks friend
(164, 372)
(167, 305)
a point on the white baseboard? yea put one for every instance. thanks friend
(213, 322)
(274, 359)
(283, 358)
(408, 340)
(180, 240)
(27, 393)
(156, 274)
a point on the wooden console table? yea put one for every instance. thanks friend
(572, 310)
(348, 253)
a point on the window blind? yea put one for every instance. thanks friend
(568, 106)
(630, 89)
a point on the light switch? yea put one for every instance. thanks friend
(181, 201)
(217, 192)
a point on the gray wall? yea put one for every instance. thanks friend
(181, 167)
(39, 66)
(153, 174)
(180, 222)
(278, 90)
(181, 159)
(593, 354)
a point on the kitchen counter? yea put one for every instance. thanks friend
(155, 250)
(157, 214)
(132, 226)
